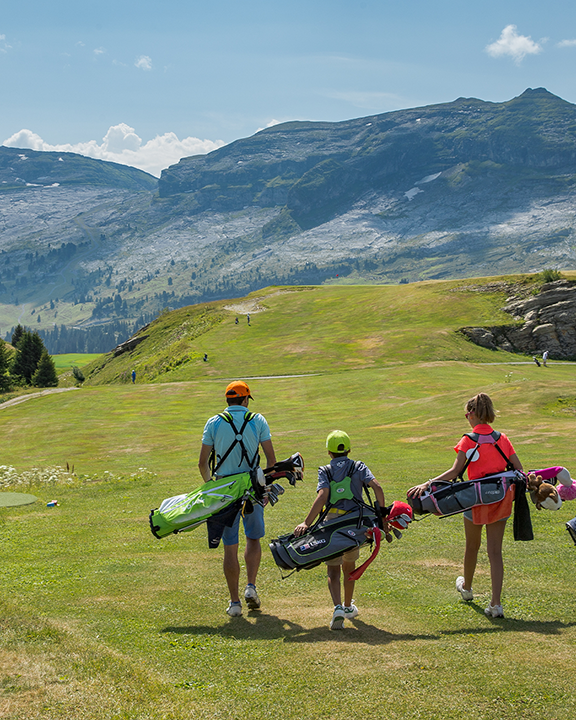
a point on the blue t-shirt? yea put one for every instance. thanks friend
(339, 467)
(219, 434)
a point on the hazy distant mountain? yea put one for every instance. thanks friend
(29, 168)
(459, 189)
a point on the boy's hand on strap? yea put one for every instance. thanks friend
(300, 529)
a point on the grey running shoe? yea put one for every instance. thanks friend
(251, 597)
(350, 611)
(337, 622)
(234, 609)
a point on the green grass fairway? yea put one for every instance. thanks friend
(313, 329)
(69, 360)
(99, 620)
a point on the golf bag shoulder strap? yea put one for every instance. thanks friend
(227, 417)
(341, 490)
(488, 439)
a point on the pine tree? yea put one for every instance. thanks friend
(45, 375)
(29, 350)
(4, 377)
(17, 334)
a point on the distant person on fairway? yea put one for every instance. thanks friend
(236, 435)
(481, 459)
(248, 319)
(342, 474)
(133, 376)
(545, 358)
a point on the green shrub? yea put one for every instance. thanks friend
(550, 275)
(78, 374)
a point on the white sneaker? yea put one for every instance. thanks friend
(337, 622)
(494, 611)
(251, 597)
(466, 594)
(234, 609)
(350, 611)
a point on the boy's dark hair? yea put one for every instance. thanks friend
(235, 400)
(342, 454)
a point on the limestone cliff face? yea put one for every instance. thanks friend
(546, 321)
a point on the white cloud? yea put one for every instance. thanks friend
(122, 145)
(514, 45)
(4, 47)
(143, 62)
(567, 43)
(99, 51)
(270, 124)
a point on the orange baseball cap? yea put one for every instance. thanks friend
(238, 388)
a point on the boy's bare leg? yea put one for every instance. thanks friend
(334, 584)
(347, 568)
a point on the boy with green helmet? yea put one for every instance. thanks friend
(340, 486)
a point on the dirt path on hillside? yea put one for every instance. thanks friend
(23, 398)
(253, 306)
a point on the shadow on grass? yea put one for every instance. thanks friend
(508, 624)
(259, 626)
(272, 627)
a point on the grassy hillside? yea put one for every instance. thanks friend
(98, 619)
(315, 329)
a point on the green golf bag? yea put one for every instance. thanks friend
(218, 501)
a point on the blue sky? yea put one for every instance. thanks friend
(147, 82)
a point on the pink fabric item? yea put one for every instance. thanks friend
(567, 493)
(547, 473)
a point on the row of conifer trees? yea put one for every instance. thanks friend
(29, 364)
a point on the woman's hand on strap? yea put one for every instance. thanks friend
(418, 490)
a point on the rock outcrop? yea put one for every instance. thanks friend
(546, 321)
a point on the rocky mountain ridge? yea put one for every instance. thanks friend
(32, 169)
(462, 189)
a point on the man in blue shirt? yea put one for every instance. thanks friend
(236, 438)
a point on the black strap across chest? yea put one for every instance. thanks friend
(238, 440)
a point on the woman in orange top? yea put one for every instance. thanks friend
(486, 460)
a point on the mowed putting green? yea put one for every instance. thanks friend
(11, 499)
(98, 619)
